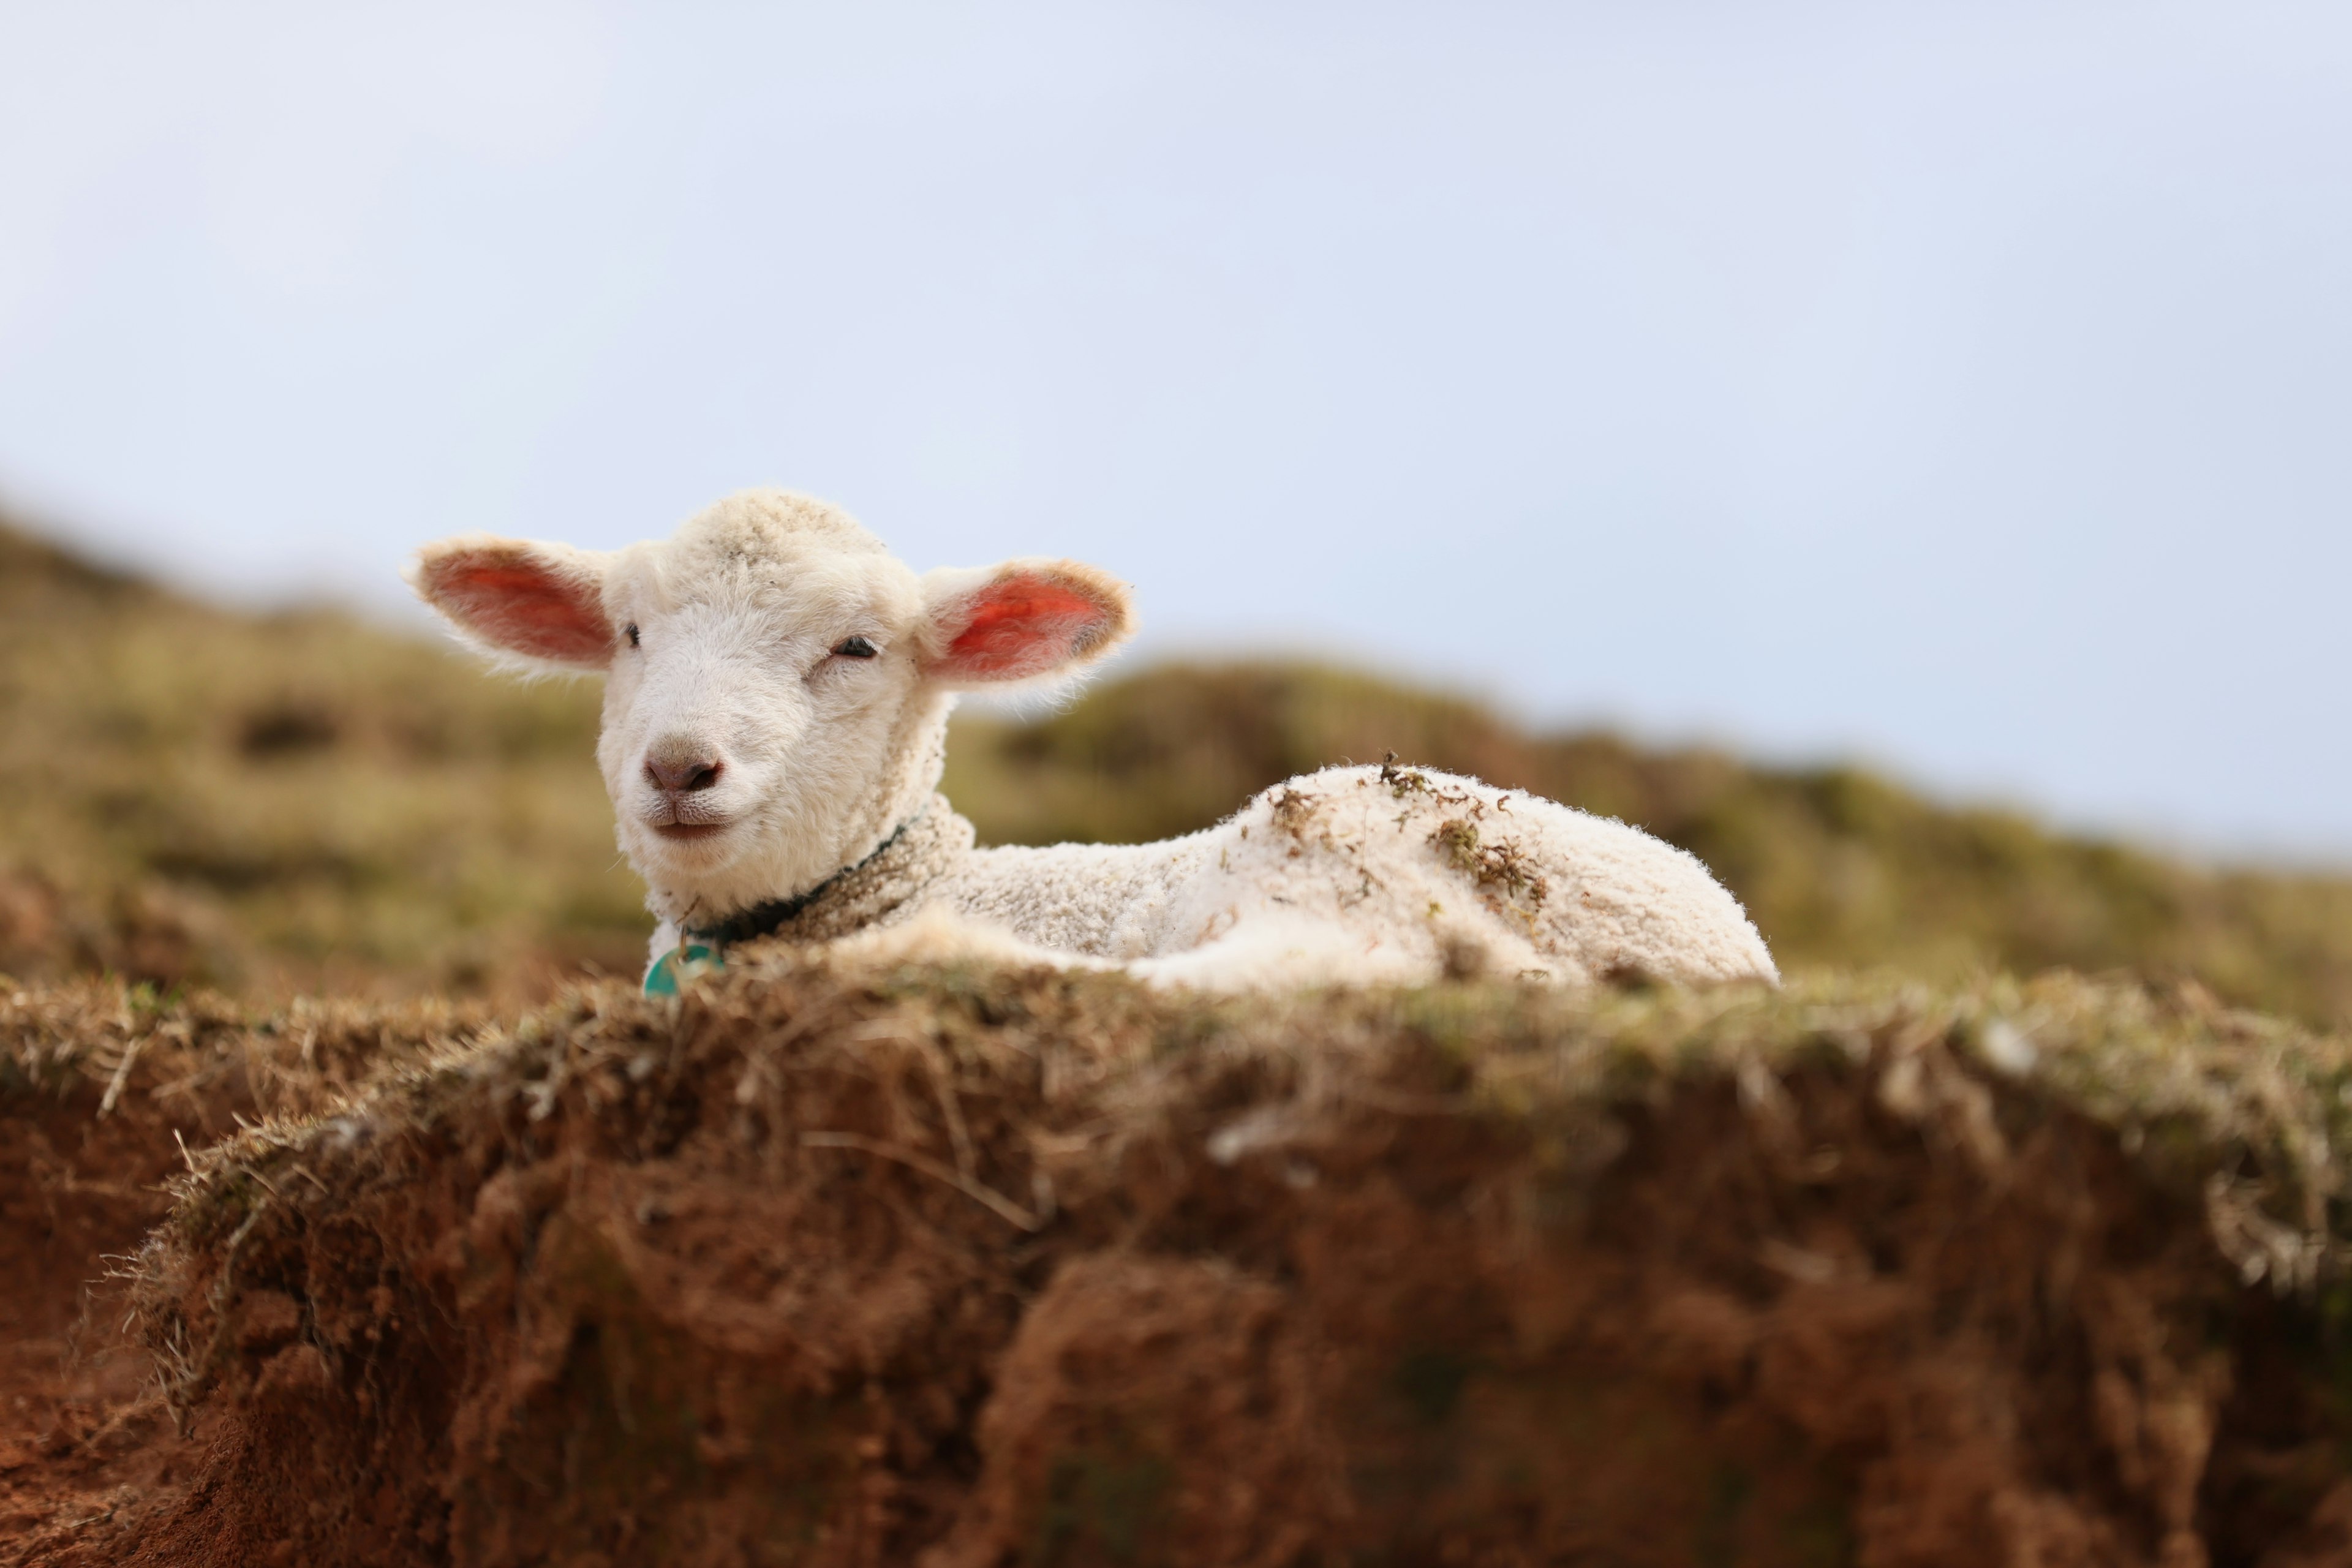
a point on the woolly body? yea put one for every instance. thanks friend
(775, 722)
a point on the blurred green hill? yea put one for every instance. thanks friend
(287, 802)
(306, 802)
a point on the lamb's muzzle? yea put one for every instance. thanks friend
(683, 774)
(676, 780)
(776, 703)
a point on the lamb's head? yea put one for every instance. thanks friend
(777, 682)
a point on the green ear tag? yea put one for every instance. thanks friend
(681, 963)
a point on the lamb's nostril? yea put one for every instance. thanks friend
(683, 777)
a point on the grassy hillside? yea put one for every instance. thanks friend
(283, 802)
(305, 802)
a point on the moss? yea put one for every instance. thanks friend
(1715, 1536)
(1430, 1382)
(1101, 1505)
(1820, 1536)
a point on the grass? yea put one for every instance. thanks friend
(285, 802)
(307, 803)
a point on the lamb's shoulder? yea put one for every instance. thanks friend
(1106, 901)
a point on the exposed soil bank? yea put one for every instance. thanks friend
(825, 1267)
(98, 1091)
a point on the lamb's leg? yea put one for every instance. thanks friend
(938, 934)
(1267, 951)
(1270, 950)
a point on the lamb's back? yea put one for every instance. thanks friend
(1434, 864)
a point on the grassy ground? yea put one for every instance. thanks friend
(307, 803)
(287, 802)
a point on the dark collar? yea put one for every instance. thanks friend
(766, 920)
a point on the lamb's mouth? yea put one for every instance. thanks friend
(688, 830)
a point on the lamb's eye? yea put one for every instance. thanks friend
(854, 647)
(632, 634)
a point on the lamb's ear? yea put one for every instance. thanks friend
(543, 604)
(992, 625)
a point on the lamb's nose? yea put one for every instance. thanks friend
(681, 773)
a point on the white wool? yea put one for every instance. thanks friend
(1365, 874)
(726, 650)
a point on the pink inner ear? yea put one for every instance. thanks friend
(1023, 625)
(517, 603)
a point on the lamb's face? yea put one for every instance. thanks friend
(757, 688)
(778, 682)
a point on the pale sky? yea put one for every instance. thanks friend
(1965, 387)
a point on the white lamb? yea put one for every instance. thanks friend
(776, 708)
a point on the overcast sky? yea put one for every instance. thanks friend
(1962, 387)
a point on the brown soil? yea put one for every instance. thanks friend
(98, 1094)
(817, 1267)
(78, 1410)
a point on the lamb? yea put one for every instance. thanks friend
(778, 687)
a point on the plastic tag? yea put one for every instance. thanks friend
(681, 963)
